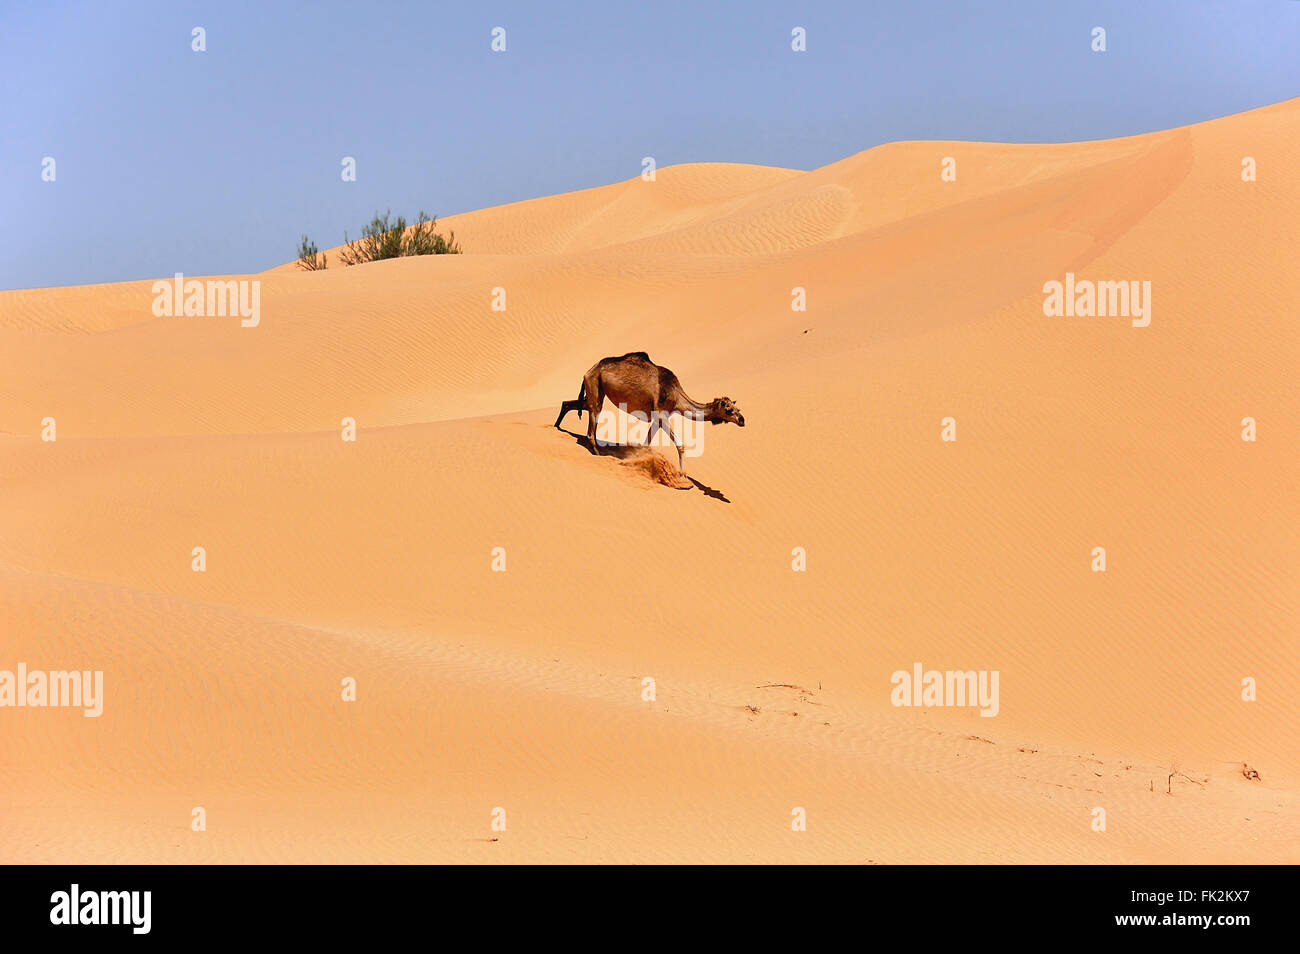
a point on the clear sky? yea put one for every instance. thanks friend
(171, 160)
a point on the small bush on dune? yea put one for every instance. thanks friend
(384, 237)
(309, 257)
(379, 240)
(423, 240)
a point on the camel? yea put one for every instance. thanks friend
(646, 391)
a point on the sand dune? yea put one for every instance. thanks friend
(523, 689)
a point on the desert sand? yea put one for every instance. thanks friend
(522, 690)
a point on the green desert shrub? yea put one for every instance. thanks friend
(384, 237)
(309, 256)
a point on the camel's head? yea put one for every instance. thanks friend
(724, 410)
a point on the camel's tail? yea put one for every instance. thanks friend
(582, 398)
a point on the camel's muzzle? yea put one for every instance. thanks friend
(741, 420)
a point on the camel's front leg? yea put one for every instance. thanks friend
(681, 460)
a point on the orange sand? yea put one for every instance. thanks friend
(523, 689)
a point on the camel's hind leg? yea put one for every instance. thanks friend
(595, 398)
(577, 404)
(566, 407)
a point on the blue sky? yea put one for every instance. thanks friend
(215, 162)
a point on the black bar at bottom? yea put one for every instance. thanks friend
(333, 903)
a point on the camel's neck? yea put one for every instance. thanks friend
(696, 407)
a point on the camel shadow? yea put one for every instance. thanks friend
(633, 451)
(709, 491)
